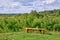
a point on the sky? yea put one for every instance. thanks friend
(25, 6)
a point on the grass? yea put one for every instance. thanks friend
(29, 36)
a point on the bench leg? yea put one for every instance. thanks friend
(42, 31)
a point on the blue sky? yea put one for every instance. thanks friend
(24, 6)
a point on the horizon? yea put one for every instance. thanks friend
(27, 12)
(25, 6)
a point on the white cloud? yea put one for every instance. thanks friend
(10, 6)
(37, 3)
(49, 1)
(42, 3)
(14, 4)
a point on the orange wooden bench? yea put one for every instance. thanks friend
(42, 30)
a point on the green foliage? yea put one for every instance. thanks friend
(47, 19)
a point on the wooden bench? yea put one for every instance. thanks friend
(42, 30)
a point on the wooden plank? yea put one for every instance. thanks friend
(42, 30)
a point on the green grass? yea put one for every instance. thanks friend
(29, 36)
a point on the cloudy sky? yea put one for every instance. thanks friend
(23, 6)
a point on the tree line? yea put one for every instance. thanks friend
(44, 19)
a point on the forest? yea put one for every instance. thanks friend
(16, 22)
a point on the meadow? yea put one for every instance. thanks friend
(29, 36)
(12, 25)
